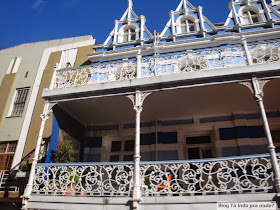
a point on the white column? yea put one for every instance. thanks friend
(45, 116)
(138, 67)
(137, 100)
(201, 20)
(247, 52)
(53, 77)
(116, 33)
(258, 91)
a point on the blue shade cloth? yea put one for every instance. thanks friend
(168, 155)
(93, 142)
(244, 150)
(241, 132)
(54, 139)
(167, 138)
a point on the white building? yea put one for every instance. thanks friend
(181, 119)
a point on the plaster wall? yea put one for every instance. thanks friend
(31, 56)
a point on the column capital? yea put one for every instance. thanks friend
(138, 98)
(248, 85)
(256, 86)
(47, 110)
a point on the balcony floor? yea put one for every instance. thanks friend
(147, 203)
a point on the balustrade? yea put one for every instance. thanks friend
(248, 174)
(191, 60)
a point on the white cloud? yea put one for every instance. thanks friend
(37, 4)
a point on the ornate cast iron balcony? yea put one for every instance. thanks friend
(188, 61)
(245, 174)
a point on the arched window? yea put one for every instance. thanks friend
(250, 17)
(187, 26)
(129, 34)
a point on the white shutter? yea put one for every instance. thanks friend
(68, 56)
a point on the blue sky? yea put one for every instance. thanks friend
(25, 21)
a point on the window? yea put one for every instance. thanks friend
(92, 149)
(187, 26)
(7, 151)
(122, 150)
(199, 147)
(249, 17)
(129, 35)
(19, 101)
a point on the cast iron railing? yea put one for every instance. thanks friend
(244, 174)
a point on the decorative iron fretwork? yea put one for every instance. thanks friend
(181, 178)
(213, 177)
(189, 61)
(194, 61)
(95, 74)
(91, 180)
(265, 53)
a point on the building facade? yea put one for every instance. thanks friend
(24, 73)
(180, 119)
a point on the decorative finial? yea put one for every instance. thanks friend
(130, 3)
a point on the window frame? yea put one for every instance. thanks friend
(247, 10)
(188, 22)
(200, 146)
(130, 32)
(13, 112)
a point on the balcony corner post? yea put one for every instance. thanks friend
(247, 52)
(258, 91)
(138, 68)
(45, 116)
(52, 85)
(137, 100)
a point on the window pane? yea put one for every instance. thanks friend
(19, 102)
(167, 138)
(12, 147)
(128, 158)
(193, 153)
(3, 147)
(133, 37)
(116, 146)
(191, 28)
(8, 163)
(255, 19)
(129, 145)
(183, 29)
(207, 153)
(198, 140)
(246, 20)
(114, 158)
(168, 155)
(125, 38)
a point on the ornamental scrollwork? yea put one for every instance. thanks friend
(231, 176)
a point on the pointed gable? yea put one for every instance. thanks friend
(187, 20)
(247, 13)
(130, 29)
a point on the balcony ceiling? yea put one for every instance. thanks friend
(184, 103)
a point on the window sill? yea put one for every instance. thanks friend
(14, 116)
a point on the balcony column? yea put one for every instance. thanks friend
(247, 52)
(137, 100)
(53, 81)
(256, 88)
(138, 67)
(45, 116)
